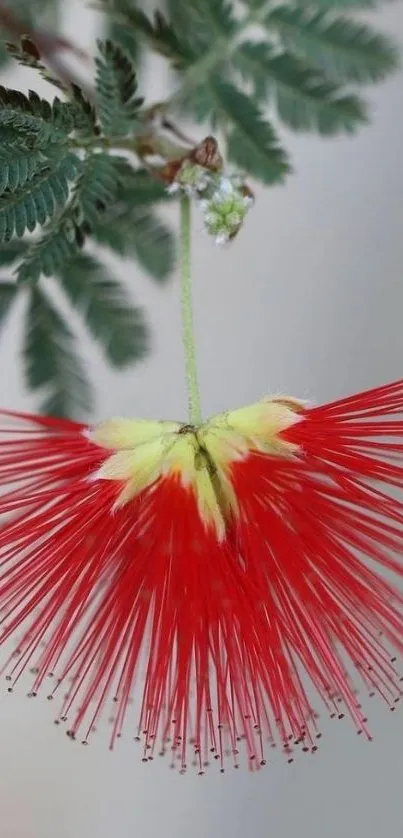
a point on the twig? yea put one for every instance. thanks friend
(48, 45)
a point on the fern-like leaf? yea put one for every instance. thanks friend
(35, 117)
(106, 308)
(18, 165)
(8, 294)
(38, 199)
(126, 36)
(157, 31)
(345, 50)
(46, 256)
(93, 191)
(304, 99)
(51, 363)
(137, 187)
(27, 54)
(200, 23)
(96, 187)
(84, 114)
(139, 234)
(116, 89)
(12, 252)
(252, 142)
(152, 244)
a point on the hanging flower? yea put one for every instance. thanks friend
(221, 566)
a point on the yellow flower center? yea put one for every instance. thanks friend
(144, 451)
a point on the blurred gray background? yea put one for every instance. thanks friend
(309, 301)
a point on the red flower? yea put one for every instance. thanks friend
(222, 566)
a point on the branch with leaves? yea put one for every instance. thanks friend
(91, 166)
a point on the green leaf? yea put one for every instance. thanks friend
(164, 39)
(51, 363)
(46, 256)
(209, 20)
(200, 101)
(127, 225)
(27, 54)
(96, 187)
(18, 165)
(153, 245)
(138, 186)
(252, 142)
(38, 200)
(304, 99)
(116, 87)
(126, 37)
(11, 252)
(158, 31)
(140, 234)
(107, 310)
(84, 114)
(8, 293)
(93, 191)
(345, 50)
(39, 122)
(200, 23)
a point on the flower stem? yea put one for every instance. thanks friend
(187, 313)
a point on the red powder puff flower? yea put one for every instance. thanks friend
(224, 565)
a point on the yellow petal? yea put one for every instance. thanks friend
(127, 433)
(202, 457)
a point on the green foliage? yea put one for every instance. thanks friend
(11, 252)
(27, 54)
(341, 48)
(252, 142)
(116, 87)
(37, 165)
(52, 366)
(237, 67)
(202, 22)
(36, 199)
(126, 38)
(46, 256)
(94, 188)
(304, 99)
(8, 293)
(137, 187)
(35, 122)
(106, 308)
(84, 115)
(152, 244)
(300, 66)
(17, 166)
(157, 31)
(141, 235)
(132, 229)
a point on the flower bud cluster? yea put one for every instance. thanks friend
(224, 199)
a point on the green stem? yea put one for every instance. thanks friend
(161, 145)
(195, 416)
